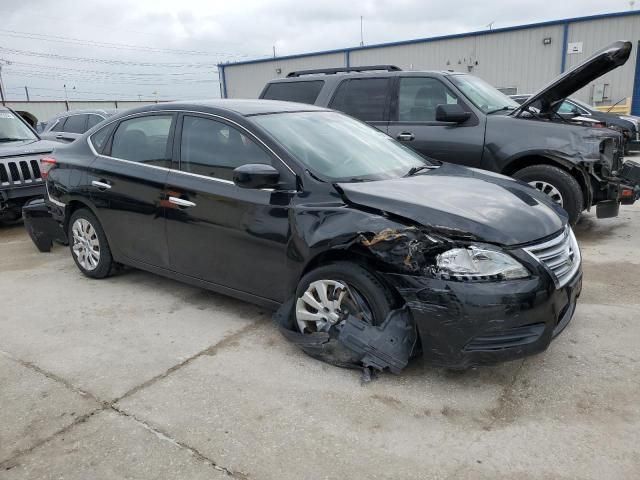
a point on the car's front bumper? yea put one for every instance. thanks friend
(465, 324)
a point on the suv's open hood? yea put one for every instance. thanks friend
(579, 76)
(26, 147)
(491, 207)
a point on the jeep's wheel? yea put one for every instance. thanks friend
(328, 294)
(558, 184)
(88, 245)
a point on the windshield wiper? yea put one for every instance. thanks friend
(9, 139)
(501, 109)
(413, 170)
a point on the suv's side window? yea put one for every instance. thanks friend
(418, 98)
(363, 98)
(214, 149)
(143, 139)
(76, 124)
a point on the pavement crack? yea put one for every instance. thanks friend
(164, 436)
(210, 350)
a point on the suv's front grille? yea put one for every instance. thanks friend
(16, 172)
(560, 255)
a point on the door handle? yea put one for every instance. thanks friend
(60, 136)
(406, 137)
(100, 185)
(181, 202)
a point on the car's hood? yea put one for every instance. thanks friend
(26, 147)
(491, 207)
(579, 76)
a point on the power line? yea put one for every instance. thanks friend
(119, 46)
(107, 72)
(53, 56)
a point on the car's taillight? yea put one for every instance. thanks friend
(46, 164)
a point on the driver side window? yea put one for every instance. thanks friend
(214, 149)
(419, 97)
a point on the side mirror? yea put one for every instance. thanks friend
(452, 113)
(256, 175)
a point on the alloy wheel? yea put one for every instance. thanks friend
(548, 190)
(86, 245)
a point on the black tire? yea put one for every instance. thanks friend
(379, 299)
(563, 181)
(105, 262)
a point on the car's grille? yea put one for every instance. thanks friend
(560, 255)
(16, 172)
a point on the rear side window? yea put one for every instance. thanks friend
(363, 98)
(93, 121)
(76, 124)
(100, 138)
(144, 140)
(301, 92)
(58, 127)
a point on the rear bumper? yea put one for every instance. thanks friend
(466, 324)
(41, 226)
(623, 189)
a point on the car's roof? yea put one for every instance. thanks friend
(104, 111)
(240, 107)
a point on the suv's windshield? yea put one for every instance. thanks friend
(335, 147)
(484, 96)
(12, 129)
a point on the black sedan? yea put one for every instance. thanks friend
(369, 252)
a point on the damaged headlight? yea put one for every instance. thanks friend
(476, 263)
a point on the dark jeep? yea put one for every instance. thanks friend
(459, 118)
(20, 151)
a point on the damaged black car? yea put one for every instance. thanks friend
(369, 253)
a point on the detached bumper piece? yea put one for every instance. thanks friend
(41, 226)
(357, 344)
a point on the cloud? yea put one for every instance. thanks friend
(229, 31)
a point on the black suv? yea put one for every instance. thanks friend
(459, 118)
(20, 151)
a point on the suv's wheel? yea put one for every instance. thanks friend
(558, 184)
(88, 244)
(326, 295)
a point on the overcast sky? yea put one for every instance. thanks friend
(169, 49)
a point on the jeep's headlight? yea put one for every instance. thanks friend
(477, 263)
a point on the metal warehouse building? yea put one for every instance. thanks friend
(518, 59)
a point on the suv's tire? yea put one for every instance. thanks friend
(367, 289)
(559, 184)
(88, 245)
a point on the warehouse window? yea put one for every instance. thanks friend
(364, 98)
(301, 92)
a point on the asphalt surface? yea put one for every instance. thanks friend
(141, 377)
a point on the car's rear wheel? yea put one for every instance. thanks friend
(558, 184)
(328, 294)
(88, 244)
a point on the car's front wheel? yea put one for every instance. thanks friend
(88, 244)
(328, 294)
(558, 184)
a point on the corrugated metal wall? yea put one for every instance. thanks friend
(596, 34)
(515, 58)
(247, 81)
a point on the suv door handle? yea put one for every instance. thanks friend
(100, 185)
(406, 137)
(181, 202)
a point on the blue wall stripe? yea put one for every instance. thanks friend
(635, 101)
(565, 45)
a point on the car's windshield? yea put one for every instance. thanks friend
(336, 147)
(586, 106)
(484, 96)
(13, 129)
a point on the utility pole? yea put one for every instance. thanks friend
(26, 92)
(2, 89)
(274, 51)
(361, 33)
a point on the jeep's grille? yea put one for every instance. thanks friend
(16, 172)
(560, 255)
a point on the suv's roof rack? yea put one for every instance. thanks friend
(329, 71)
